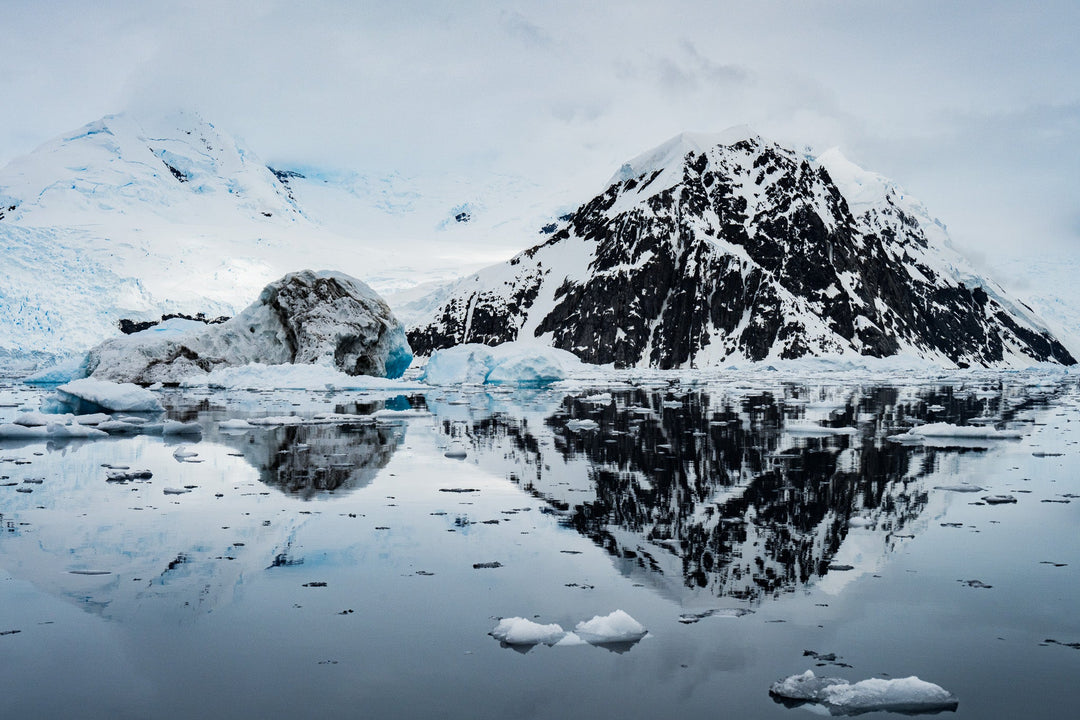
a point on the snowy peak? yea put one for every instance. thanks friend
(705, 251)
(671, 155)
(170, 168)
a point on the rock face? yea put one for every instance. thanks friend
(305, 317)
(719, 248)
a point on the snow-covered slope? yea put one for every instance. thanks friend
(711, 249)
(134, 217)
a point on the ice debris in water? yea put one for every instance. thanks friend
(580, 425)
(51, 431)
(948, 430)
(175, 427)
(519, 631)
(519, 363)
(97, 395)
(840, 697)
(617, 627)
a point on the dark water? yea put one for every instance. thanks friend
(354, 570)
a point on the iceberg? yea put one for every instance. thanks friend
(94, 395)
(618, 627)
(948, 430)
(305, 318)
(520, 363)
(519, 631)
(840, 697)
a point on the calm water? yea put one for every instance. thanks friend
(683, 499)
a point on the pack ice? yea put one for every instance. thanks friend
(840, 697)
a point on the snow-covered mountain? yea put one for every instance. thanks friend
(716, 248)
(134, 217)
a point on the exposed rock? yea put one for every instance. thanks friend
(305, 317)
(711, 249)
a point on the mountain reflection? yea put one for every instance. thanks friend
(743, 494)
(305, 460)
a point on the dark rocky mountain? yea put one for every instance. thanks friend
(712, 249)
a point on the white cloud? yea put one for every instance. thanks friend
(971, 105)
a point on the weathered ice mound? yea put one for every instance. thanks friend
(307, 317)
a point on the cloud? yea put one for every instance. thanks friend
(969, 104)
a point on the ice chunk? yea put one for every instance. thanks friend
(306, 317)
(948, 430)
(174, 427)
(235, 424)
(580, 425)
(184, 452)
(10, 431)
(291, 376)
(519, 631)
(518, 363)
(812, 429)
(96, 395)
(618, 627)
(840, 697)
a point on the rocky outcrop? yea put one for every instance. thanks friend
(711, 249)
(305, 317)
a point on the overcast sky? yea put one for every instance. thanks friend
(972, 105)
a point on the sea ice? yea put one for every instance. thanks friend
(519, 363)
(108, 396)
(618, 627)
(907, 695)
(174, 427)
(948, 430)
(11, 431)
(519, 631)
(579, 425)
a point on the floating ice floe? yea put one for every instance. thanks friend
(235, 424)
(184, 452)
(97, 395)
(174, 427)
(388, 414)
(288, 376)
(810, 428)
(32, 419)
(840, 697)
(580, 425)
(961, 488)
(11, 431)
(615, 629)
(618, 627)
(519, 363)
(519, 631)
(948, 430)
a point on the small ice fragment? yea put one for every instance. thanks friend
(618, 627)
(176, 491)
(456, 453)
(581, 425)
(183, 452)
(998, 499)
(519, 631)
(840, 697)
(174, 427)
(235, 424)
(962, 488)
